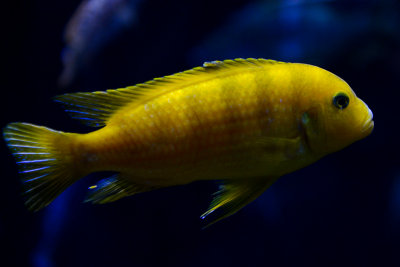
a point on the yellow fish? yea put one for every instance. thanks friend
(245, 122)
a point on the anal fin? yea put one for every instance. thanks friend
(114, 188)
(234, 195)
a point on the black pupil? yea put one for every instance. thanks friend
(341, 101)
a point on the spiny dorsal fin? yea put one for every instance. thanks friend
(234, 195)
(94, 109)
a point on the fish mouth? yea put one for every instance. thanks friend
(368, 125)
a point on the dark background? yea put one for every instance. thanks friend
(341, 211)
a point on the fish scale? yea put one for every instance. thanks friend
(219, 134)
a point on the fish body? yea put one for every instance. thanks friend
(246, 122)
(210, 127)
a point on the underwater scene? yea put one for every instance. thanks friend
(201, 133)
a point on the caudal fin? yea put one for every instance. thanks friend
(46, 170)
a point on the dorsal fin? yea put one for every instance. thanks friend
(95, 108)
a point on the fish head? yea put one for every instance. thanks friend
(340, 118)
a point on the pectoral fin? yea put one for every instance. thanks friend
(114, 188)
(234, 195)
(311, 129)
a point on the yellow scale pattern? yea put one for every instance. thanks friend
(190, 133)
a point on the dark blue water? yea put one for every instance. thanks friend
(342, 211)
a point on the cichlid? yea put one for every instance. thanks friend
(245, 122)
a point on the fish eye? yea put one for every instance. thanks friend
(341, 100)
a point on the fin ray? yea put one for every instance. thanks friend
(44, 170)
(234, 195)
(114, 188)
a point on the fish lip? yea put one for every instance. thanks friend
(368, 126)
(369, 123)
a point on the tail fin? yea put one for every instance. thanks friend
(45, 168)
